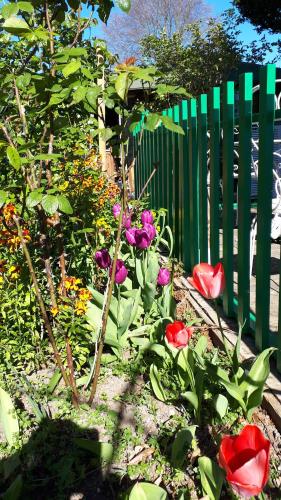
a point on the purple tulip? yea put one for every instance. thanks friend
(163, 276)
(147, 217)
(130, 235)
(150, 229)
(116, 209)
(103, 258)
(121, 272)
(142, 239)
(126, 221)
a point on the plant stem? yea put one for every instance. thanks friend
(106, 312)
(42, 305)
(223, 335)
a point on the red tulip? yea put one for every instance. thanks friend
(245, 459)
(208, 280)
(178, 335)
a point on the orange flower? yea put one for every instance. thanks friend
(85, 294)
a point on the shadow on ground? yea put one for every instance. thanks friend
(51, 465)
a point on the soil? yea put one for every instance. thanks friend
(138, 414)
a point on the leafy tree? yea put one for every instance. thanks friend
(150, 17)
(206, 58)
(49, 102)
(265, 15)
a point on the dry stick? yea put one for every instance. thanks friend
(156, 165)
(106, 312)
(60, 232)
(41, 303)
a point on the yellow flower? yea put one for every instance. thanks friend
(72, 283)
(80, 307)
(54, 311)
(14, 272)
(64, 186)
(84, 294)
(1, 280)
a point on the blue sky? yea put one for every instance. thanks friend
(217, 7)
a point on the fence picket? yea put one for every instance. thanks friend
(193, 182)
(186, 205)
(264, 210)
(203, 188)
(244, 192)
(215, 136)
(176, 183)
(228, 198)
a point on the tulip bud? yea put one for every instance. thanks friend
(178, 335)
(116, 209)
(130, 235)
(103, 258)
(142, 239)
(121, 272)
(147, 217)
(245, 458)
(163, 276)
(208, 280)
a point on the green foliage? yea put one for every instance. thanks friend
(211, 476)
(198, 57)
(8, 417)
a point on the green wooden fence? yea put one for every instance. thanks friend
(194, 181)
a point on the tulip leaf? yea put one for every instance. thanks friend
(148, 294)
(146, 491)
(14, 491)
(139, 272)
(152, 268)
(181, 444)
(212, 478)
(102, 451)
(221, 405)
(235, 392)
(8, 418)
(201, 345)
(192, 398)
(255, 380)
(156, 383)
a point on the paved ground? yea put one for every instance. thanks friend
(274, 280)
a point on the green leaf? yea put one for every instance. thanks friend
(71, 68)
(92, 96)
(211, 476)
(13, 157)
(64, 204)
(26, 7)
(139, 272)
(10, 9)
(79, 94)
(148, 295)
(124, 5)
(181, 444)
(170, 125)
(16, 26)
(15, 489)
(23, 81)
(192, 398)
(34, 198)
(236, 392)
(54, 381)
(103, 451)
(8, 417)
(50, 203)
(122, 85)
(3, 197)
(152, 121)
(77, 51)
(221, 405)
(147, 491)
(156, 383)
(47, 156)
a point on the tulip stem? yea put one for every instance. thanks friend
(223, 335)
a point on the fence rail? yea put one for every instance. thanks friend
(209, 200)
